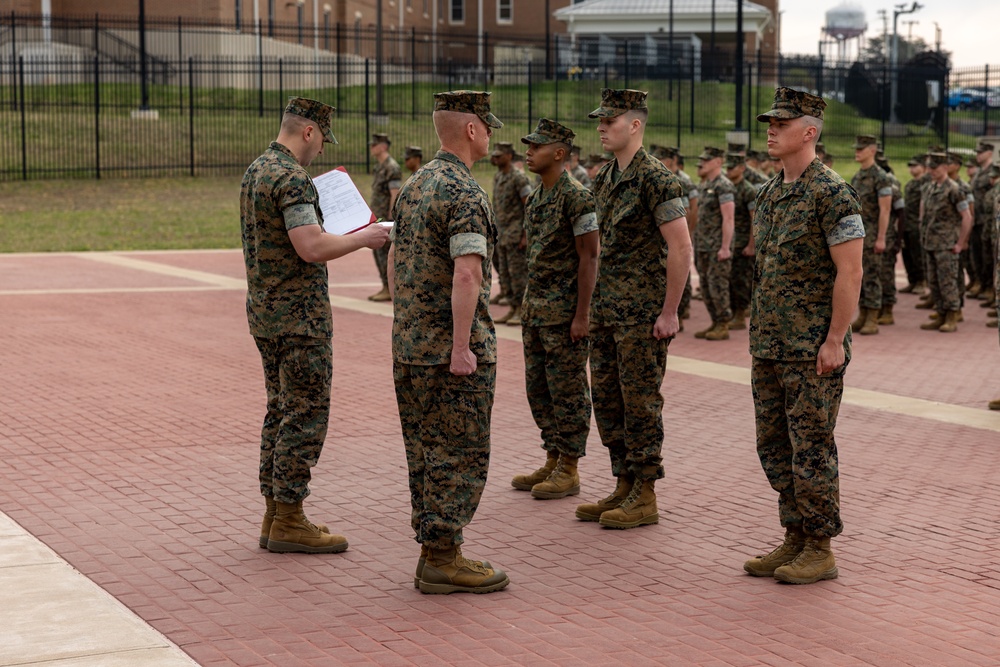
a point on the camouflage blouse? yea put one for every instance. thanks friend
(552, 220)
(794, 227)
(943, 206)
(870, 184)
(632, 279)
(509, 191)
(712, 194)
(387, 176)
(441, 213)
(286, 296)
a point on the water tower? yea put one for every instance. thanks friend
(846, 24)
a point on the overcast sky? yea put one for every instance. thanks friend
(970, 29)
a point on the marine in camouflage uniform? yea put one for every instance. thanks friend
(577, 170)
(562, 234)
(741, 277)
(948, 224)
(875, 193)
(913, 254)
(288, 310)
(887, 266)
(807, 234)
(753, 175)
(510, 188)
(967, 262)
(386, 181)
(444, 344)
(981, 241)
(634, 314)
(713, 242)
(669, 156)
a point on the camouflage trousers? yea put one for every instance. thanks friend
(988, 255)
(741, 282)
(626, 372)
(382, 262)
(871, 284)
(685, 303)
(944, 277)
(714, 277)
(513, 271)
(887, 264)
(973, 257)
(796, 413)
(297, 375)
(446, 431)
(555, 377)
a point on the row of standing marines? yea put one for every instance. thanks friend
(606, 274)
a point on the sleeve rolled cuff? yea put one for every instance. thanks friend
(848, 228)
(669, 210)
(300, 215)
(467, 244)
(584, 224)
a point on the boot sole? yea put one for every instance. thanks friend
(829, 574)
(293, 547)
(552, 495)
(446, 589)
(644, 521)
(522, 487)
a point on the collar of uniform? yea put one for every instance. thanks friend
(800, 183)
(282, 148)
(451, 157)
(640, 156)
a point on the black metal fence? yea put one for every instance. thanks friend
(84, 98)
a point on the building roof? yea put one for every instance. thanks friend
(646, 16)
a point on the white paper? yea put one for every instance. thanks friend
(344, 209)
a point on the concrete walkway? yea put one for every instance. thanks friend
(131, 403)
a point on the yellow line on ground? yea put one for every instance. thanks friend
(164, 269)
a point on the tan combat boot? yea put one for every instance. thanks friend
(638, 509)
(885, 316)
(989, 298)
(527, 482)
(739, 320)
(870, 326)
(814, 563)
(291, 531)
(593, 511)
(564, 480)
(926, 302)
(974, 290)
(860, 321)
(950, 323)
(719, 331)
(764, 566)
(933, 324)
(423, 561)
(265, 526)
(995, 404)
(503, 319)
(448, 571)
(381, 295)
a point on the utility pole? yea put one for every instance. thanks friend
(143, 70)
(378, 57)
(894, 65)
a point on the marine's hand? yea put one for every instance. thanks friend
(579, 327)
(374, 236)
(666, 326)
(463, 361)
(830, 358)
(879, 246)
(723, 254)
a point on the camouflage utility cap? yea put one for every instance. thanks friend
(595, 159)
(379, 138)
(317, 112)
(657, 151)
(711, 152)
(971, 162)
(616, 102)
(864, 140)
(413, 151)
(955, 158)
(734, 160)
(736, 148)
(549, 132)
(916, 160)
(790, 103)
(936, 159)
(468, 101)
(994, 170)
(503, 148)
(984, 146)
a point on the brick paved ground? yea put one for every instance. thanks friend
(132, 397)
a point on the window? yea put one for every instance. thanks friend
(456, 13)
(505, 11)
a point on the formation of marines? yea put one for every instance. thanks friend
(594, 259)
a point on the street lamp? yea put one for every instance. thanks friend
(894, 63)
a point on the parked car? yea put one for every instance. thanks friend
(966, 98)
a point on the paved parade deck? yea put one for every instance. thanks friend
(129, 419)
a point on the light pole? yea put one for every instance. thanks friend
(143, 71)
(894, 64)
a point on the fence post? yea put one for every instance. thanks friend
(555, 86)
(97, 117)
(530, 96)
(191, 112)
(626, 64)
(692, 105)
(986, 101)
(281, 84)
(180, 61)
(368, 117)
(260, 71)
(24, 122)
(413, 72)
(338, 63)
(486, 61)
(606, 74)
